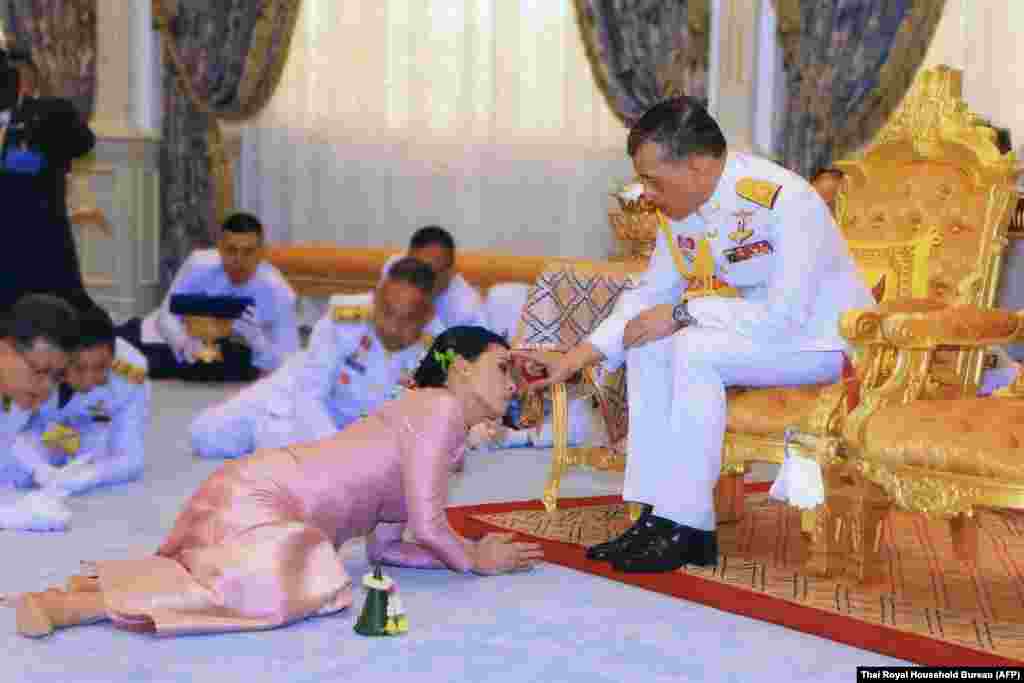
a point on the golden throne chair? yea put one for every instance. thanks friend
(908, 444)
(924, 210)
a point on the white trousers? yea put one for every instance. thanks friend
(256, 417)
(677, 412)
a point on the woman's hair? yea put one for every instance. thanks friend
(464, 340)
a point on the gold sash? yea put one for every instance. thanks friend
(701, 278)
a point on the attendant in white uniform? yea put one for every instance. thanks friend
(263, 337)
(37, 334)
(95, 425)
(773, 239)
(89, 433)
(360, 354)
(827, 182)
(456, 302)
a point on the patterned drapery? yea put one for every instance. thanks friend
(848, 65)
(223, 61)
(60, 35)
(643, 50)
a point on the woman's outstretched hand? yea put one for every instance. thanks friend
(498, 554)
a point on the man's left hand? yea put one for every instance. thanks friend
(651, 325)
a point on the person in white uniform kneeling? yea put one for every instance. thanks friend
(772, 239)
(360, 353)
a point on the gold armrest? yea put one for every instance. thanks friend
(958, 325)
(864, 325)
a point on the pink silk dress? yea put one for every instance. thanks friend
(256, 545)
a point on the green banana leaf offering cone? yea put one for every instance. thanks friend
(382, 613)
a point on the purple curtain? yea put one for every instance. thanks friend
(60, 36)
(644, 50)
(232, 53)
(848, 65)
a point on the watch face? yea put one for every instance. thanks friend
(679, 313)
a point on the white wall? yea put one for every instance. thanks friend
(480, 115)
(981, 38)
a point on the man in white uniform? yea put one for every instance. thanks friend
(360, 354)
(771, 237)
(456, 302)
(263, 336)
(97, 419)
(36, 337)
(89, 433)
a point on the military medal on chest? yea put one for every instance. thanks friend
(98, 412)
(742, 232)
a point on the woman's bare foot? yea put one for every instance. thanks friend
(32, 618)
(38, 614)
(83, 584)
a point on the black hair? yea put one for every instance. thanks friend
(10, 79)
(465, 340)
(243, 223)
(679, 126)
(827, 171)
(95, 329)
(432, 234)
(414, 272)
(40, 316)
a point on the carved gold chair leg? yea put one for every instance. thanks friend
(560, 445)
(847, 534)
(964, 530)
(808, 520)
(871, 509)
(729, 494)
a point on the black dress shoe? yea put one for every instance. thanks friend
(670, 550)
(641, 529)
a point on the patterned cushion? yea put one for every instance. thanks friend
(974, 436)
(565, 305)
(767, 412)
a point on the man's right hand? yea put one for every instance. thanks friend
(558, 367)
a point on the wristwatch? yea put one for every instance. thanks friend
(681, 314)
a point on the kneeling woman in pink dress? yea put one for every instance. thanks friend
(256, 546)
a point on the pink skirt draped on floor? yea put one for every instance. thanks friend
(240, 557)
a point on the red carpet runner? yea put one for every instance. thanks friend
(932, 609)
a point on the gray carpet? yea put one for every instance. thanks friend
(552, 624)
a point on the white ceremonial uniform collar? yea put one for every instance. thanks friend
(709, 209)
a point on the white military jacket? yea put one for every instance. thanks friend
(111, 420)
(346, 371)
(203, 273)
(774, 240)
(460, 304)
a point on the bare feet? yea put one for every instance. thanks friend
(38, 614)
(32, 618)
(83, 584)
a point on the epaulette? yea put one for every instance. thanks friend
(761, 192)
(132, 373)
(345, 313)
